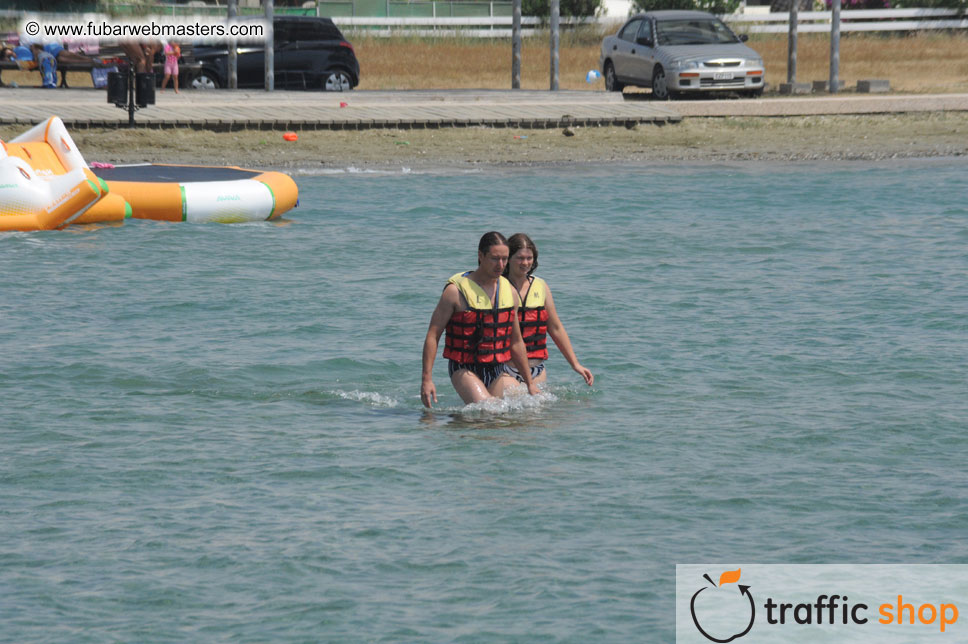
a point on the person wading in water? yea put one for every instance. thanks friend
(478, 311)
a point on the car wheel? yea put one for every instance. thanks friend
(337, 81)
(611, 82)
(660, 87)
(205, 80)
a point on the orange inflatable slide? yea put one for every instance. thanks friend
(45, 183)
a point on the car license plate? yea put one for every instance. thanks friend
(722, 75)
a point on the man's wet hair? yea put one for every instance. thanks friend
(492, 238)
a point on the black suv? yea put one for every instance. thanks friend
(309, 53)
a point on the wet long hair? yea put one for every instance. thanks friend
(516, 242)
(492, 238)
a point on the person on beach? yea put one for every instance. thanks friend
(23, 56)
(46, 65)
(478, 310)
(172, 54)
(6, 53)
(141, 54)
(63, 56)
(26, 58)
(537, 315)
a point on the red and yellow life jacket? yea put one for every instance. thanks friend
(534, 319)
(481, 334)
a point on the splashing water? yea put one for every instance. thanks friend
(371, 397)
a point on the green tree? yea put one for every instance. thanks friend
(718, 7)
(542, 8)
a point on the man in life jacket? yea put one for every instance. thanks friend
(478, 311)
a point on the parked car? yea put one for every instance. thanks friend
(308, 53)
(679, 52)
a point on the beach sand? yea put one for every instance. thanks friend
(842, 137)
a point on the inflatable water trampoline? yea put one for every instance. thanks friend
(200, 194)
(46, 184)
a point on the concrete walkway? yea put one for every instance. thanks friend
(241, 109)
(846, 103)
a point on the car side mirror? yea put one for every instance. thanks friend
(644, 40)
(743, 37)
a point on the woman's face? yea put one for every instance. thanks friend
(521, 261)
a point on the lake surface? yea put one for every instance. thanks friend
(213, 433)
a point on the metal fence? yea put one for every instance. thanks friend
(493, 19)
(852, 20)
(497, 25)
(470, 27)
(399, 9)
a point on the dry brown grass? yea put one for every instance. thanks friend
(917, 63)
(414, 63)
(811, 138)
(920, 63)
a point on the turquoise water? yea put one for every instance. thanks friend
(213, 433)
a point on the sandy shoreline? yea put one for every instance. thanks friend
(810, 138)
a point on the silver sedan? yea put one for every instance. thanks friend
(675, 52)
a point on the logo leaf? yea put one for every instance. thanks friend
(729, 577)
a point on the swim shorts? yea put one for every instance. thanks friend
(487, 373)
(512, 371)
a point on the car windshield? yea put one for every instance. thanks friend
(694, 32)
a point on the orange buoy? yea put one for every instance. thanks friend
(290, 136)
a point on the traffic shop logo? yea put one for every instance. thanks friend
(734, 601)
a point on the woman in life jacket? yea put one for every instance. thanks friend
(537, 315)
(479, 312)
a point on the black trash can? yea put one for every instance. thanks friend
(144, 89)
(118, 88)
